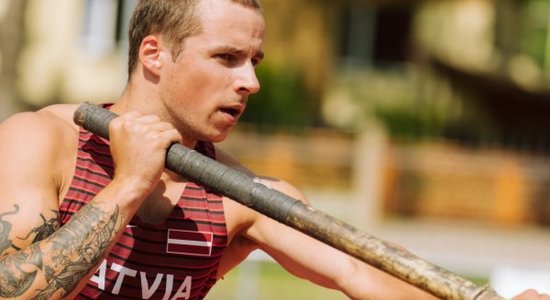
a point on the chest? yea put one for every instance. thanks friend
(185, 200)
(163, 200)
(173, 199)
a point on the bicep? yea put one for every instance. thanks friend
(300, 254)
(28, 194)
(23, 223)
(297, 252)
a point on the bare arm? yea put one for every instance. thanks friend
(39, 259)
(310, 259)
(54, 267)
(306, 257)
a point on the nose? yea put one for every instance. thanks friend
(248, 83)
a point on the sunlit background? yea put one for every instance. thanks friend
(426, 123)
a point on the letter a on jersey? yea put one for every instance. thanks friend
(195, 243)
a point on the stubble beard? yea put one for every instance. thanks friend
(191, 129)
(184, 127)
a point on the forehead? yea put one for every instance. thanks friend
(226, 21)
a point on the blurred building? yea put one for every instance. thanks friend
(11, 42)
(460, 87)
(75, 54)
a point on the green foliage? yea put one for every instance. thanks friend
(282, 102)
(410, 122)
(534, 30)
(271, 282)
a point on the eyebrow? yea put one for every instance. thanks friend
(260, 54)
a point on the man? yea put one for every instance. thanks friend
(82, 218)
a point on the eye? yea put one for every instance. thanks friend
(227, 58)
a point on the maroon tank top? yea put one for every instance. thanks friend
(177, 259)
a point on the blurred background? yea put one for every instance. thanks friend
(425, 123)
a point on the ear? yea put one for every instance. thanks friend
(150, 54)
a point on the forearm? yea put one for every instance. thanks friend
(367, 282)
(54, 267)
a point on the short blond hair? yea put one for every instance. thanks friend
(174, 19)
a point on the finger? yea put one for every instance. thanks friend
(148, 119)
(159, 126)
(162, 138)
(138, 123)
(531, 294)
(527, 294)
(171, 136)
(124, 119)
(131, 115)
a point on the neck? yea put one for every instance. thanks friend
(132, 100)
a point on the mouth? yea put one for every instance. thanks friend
(234, 112)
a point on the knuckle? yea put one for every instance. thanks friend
(115, 124)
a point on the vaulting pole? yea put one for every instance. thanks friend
(294, 213)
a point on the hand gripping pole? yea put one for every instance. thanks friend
(289, 211)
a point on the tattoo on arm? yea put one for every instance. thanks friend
(40, 232)
(45, 230)
(5, 229)
(78, 247)
(18, 271)
(72, 252)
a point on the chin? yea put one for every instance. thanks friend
(220, 134)
(217, 137)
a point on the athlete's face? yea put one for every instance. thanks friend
(206, 89)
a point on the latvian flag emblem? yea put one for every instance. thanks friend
(186, 242)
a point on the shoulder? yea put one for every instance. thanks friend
(49, 125)
(44, 136)
(55, 118)
(240, 217)
(282, 186)
(230, 161)
(60, 115)
(271, 182)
